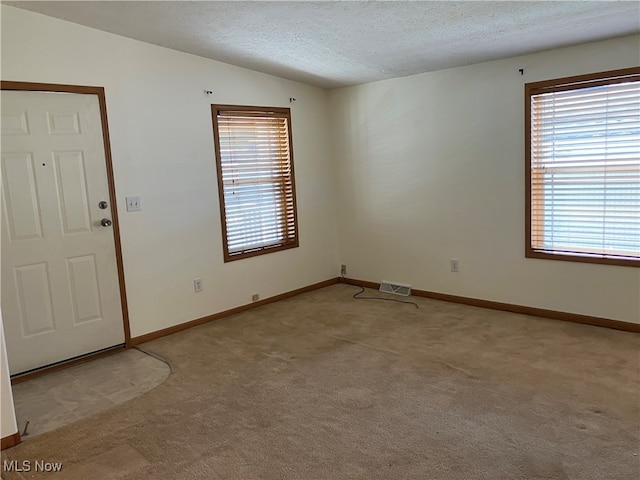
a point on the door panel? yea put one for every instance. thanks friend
(85, 291)
(72, 191)
(14, 122)
(21, 200)
(33, 291)
(63, 123)
(60, 285)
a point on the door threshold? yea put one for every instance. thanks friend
(61, 365)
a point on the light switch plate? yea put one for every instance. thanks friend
(133, 204)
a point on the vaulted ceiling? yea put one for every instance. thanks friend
(338, 43)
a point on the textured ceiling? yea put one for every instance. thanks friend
(333, 44)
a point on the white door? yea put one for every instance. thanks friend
(60, 286)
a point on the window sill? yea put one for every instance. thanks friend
(583, 258)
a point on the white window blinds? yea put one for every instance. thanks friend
(585, 167)
(256, 182)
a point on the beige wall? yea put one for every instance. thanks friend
(162, 146)
(431, 167)
(425, 168)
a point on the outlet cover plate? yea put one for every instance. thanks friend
(455, 265)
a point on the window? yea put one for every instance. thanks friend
(583, 168)
(254, 160)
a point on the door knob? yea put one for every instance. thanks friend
(105, 222)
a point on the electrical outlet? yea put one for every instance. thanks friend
(197, 285)
(255, 297)
(455, 267)
(343, 269)
(133, 204)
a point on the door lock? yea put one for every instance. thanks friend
(103, 205)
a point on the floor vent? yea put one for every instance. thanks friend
(395, 288)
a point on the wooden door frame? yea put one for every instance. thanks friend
(99, 92)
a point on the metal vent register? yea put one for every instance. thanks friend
(395, 288)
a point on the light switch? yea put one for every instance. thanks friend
(133, 204)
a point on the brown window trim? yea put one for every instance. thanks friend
(289, 212)
(563, 84)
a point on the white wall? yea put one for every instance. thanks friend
(162, 147)
(431, 167)
(8, 425)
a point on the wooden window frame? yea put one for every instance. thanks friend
(289, 204)
(557, 85)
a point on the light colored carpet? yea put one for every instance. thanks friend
(322, 386)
